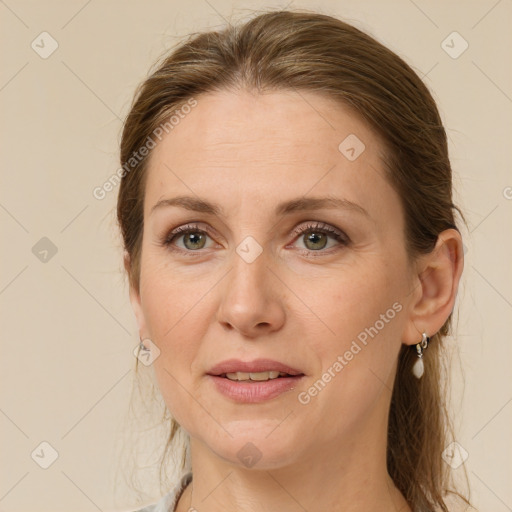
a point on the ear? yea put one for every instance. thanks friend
(435, 287)
(135, 300)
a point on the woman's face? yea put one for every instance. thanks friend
(257, 281)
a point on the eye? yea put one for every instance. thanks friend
(192, 236)
(315, 236)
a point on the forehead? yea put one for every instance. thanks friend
(250, 149)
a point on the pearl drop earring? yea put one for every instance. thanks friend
(418, 368)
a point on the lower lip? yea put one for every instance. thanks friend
(254, 391)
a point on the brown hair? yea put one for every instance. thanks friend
(301, 50)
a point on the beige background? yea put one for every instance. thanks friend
(67, 329)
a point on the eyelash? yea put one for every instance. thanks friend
(314, 227)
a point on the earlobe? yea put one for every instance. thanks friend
(439, 275)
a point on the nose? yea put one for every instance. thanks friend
(252, 298)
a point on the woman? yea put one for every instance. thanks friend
(293, 256)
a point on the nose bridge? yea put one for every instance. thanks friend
(249, 275)
(250, 265)
(250, 300)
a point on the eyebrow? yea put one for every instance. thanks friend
(196, 204)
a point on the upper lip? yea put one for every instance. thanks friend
(257, 365)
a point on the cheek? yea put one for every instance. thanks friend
(173, 309)
(355, 362)
(167, 296)
(364, 317)
(354, 299)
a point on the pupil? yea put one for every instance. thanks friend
(313, 238)
(194, 238)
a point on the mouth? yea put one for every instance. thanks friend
(255, 376)
(256, 370)
(253, 381)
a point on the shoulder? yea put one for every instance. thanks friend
(168, 502)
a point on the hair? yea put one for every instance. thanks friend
(305, 51)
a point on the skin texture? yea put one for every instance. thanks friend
(247, 152)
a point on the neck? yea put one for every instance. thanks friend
(346, 477)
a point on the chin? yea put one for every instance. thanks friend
(257, 445)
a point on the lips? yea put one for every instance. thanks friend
(232, 366)
(255, 381)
